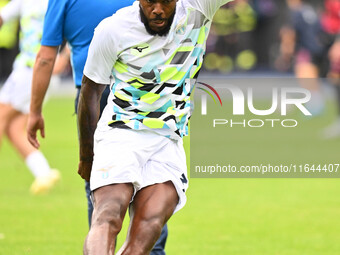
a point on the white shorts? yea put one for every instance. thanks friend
(140, 157)
(17, 89)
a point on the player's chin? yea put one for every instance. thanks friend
(158, 26)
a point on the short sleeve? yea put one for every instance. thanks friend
(54, 23)
(208, 7)
(11, 10)
(102, 53)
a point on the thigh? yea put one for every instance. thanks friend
(17, 124)
(16, 132)
(155, 201)
(111, 201)
(7, 113)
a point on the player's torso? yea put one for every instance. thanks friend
(152, 75)
(157, 60)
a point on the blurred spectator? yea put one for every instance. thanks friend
(330, 21)
(229, 43)
(308, 43)
(236, 41)
(304, 45)
(265, 35)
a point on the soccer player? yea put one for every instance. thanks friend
(16, 92)
(75, 21)
(150, 54)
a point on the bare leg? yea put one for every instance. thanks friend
(7, 112)
(110, 205)
(16, 132)
(150, 210)
(45, 178)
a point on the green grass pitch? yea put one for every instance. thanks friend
(222, 216)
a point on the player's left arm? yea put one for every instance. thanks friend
(88, 115)
(208, 7)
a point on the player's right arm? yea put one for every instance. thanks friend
(42, 72)
(88, 115)
(97, 73)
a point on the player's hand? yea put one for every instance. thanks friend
(35, 123)
(84, 169)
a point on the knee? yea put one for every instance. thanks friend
(153, 227)
(108, 217)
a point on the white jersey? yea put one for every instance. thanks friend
(151, 76)
(31, 14)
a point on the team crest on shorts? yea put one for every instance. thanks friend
(105, 173)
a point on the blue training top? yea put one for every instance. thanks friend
(75, 21)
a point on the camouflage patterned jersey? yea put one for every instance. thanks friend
(151, 76)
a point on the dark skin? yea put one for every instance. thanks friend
(151, 208)
(158, 14)
(153, 205)
(88, 115)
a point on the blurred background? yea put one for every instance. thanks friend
(246, 36)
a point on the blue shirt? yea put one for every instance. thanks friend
(75, 21)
